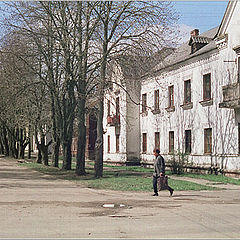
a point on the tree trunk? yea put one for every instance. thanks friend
(55, 154)
(69, 109)
(29, 148)
(29, 142)
(81, 144)
(99, 142)
(5, 142)
(67, 147)
(1, 146)
(1, 142)
(39, 156)
(17, 144)
(45, 155)
(55, 137)
(67, 155)
(13, 151)
(22, 152)
(22, 145)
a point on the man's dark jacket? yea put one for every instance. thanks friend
(159, 166)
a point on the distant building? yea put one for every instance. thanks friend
(190, 102)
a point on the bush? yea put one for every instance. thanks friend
(178, 162)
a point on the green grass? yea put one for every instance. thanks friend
(130, 168)
(129, 183)
(121, 178)
(213, 178)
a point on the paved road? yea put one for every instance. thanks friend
(33, 205)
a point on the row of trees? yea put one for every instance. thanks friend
(55, 59)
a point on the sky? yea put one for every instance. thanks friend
(203, 15)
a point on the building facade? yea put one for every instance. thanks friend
(189, 104)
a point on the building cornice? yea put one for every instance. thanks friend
(237, 49)
(190, 60)
(226, 18)
(222, 41)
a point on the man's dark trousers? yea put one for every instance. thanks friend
(155, 188)
(155, 185)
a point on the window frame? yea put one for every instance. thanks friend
(207, 141)
(171, 141)
(157, 140)
(238, 63)
(207, 93)
(117, 143)
(156, 100)
(117, 106)
(109, 144)
(187, 91)
(108, 108)
(188, 141)
(144, 102)
(144, 142)
(171, 96)
(239, 138)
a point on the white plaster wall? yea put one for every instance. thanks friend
(233, 28)
(222, 121)
(111, 130)
(132, 122)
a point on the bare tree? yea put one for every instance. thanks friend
(128, 27)
(74, 42)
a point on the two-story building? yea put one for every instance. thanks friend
(190, 103)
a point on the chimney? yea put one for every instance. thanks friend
(194, 32)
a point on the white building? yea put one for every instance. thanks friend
(190, 103)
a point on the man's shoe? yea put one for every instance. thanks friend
(155, 194)
(171, 192)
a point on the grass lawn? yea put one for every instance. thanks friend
(213, 178)
(122, 178)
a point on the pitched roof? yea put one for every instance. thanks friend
(183, 53)
(136, 66)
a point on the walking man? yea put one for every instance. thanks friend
(159, 170)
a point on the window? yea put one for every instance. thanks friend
(238, 138)
(144, 102)
(171, 96)
(117, 107)
(117, 143)
(156, 100)
(144, 143)
(117, 111)
(108, 107)
(207, 86)
(208, 141)
(108, 147)
(238, 69)
(157, 140)
(171, 141)
(188, 141)
(187, 91)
